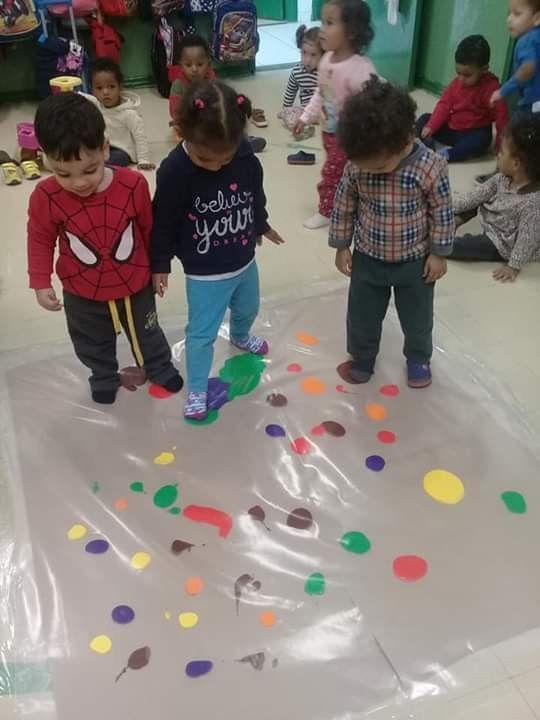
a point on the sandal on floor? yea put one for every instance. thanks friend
(30, 169)
(258, 118)
(301, 158)
(11, 173)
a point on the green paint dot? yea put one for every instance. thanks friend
(315, 584)
(243, 373)
(355, 542)
(166, 496)
(209, 419)
(96, 487)
(175, 511)
(515, 502)
(137, 487)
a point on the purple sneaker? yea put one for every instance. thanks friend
(252, 344)
(196, 407)
(418, 375)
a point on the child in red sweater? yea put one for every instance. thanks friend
(463, 117)
(194, 64)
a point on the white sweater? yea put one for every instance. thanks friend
(125, 127)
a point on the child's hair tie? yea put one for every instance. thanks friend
(199, 103)
(240, 100)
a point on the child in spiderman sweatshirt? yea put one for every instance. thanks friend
(102, 220)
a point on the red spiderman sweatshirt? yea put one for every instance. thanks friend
(102, 239)
(468, 108)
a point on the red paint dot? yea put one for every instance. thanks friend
(294, 367)
(156, 391)
(301, 446)
(318, 430)
(386, 437)
(410, 568)
(389, 390)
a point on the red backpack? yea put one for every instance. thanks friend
(106, 41)
(118, 8)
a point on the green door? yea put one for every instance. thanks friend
(270, 9)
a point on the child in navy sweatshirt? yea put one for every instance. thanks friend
(210, 212)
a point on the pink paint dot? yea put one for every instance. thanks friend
(301, 446)
(410, 568)
(386, 437)
(156, 391)
(341, 388)
(294, 367)
(318, 430)
(389, 390)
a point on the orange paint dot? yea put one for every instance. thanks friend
(194, 585)
(307, 339)
(375, 412)
(268, 618)
(121, 504)
(313, 386)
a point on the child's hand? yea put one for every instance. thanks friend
(273, 236)
(505, 274)
(434, 269)
(146, 166)
(160, 281)
(495, 97)
(299, 128)
(48, 300)
(426, 133)
(344, 261)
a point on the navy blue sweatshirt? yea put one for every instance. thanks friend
(209, 220)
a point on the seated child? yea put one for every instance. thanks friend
(303, 79)
(508, 205)
(464, 115)
(101, 218)
(394, 206)
(194, 63)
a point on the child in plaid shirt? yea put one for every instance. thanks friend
(394, 204)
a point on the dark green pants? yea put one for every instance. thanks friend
(369, 294)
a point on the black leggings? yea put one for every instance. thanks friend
(475, 247)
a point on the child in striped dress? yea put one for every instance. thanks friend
(302, 80)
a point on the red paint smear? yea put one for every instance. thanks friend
(341, 388)
(209, 515)
(386, 437)
(389, 390)
(301, 446)
(156, 391)
(410, 568)
(318, 430)
(294, 367)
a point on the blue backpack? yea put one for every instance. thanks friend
(235, 37)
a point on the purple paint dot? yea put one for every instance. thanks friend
(375, 463)
(123, 614)
(198, 668)
(275, 431)
(218, 393)
(97, 547)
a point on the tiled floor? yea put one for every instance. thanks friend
(497, 326)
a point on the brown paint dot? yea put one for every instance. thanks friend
(334, 428)
(300, 519)
(277, 400)
(180, 546)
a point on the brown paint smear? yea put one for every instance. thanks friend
(132, 377)
(334, 428)
(300, 519)
(180, 546)
(258, 514)
(343, 372)
(277, 400)
(137, 660)
(244, 582)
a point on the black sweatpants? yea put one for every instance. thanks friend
(92, 331)
(369, 294)
(464, 144)
(475, 247)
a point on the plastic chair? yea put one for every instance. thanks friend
(26, 137)
(64, 83)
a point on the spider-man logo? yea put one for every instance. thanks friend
(103, 240)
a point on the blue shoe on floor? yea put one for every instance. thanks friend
(418, 375)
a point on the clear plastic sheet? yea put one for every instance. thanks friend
(153, 568)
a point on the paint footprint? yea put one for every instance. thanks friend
(256, 660)
(244, 582)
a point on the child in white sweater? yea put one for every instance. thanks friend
(124, 126)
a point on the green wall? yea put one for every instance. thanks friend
(445, 23)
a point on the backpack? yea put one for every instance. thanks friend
(235, 37)
(168, 33)
(18, 20)
(106, 40)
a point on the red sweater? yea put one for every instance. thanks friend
(103, 239)
(468, 108)
(180, 82)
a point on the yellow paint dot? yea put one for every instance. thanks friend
(188, 619)
(376, 412)
(194, 585)
(141, 560)
(77, 532)
(101, 644)
(307, 339)
(444, 486)
(167, 615)
(313, 386)
(164, 458)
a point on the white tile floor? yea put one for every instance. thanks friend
(496, 325)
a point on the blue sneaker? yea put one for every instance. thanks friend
(418, 375)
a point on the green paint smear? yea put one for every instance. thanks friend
(315, 584)
(137, 487)
(175, 511)
(355, 542)
(166, 496)
(208, 420)
(243, 373)
(515, 502)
